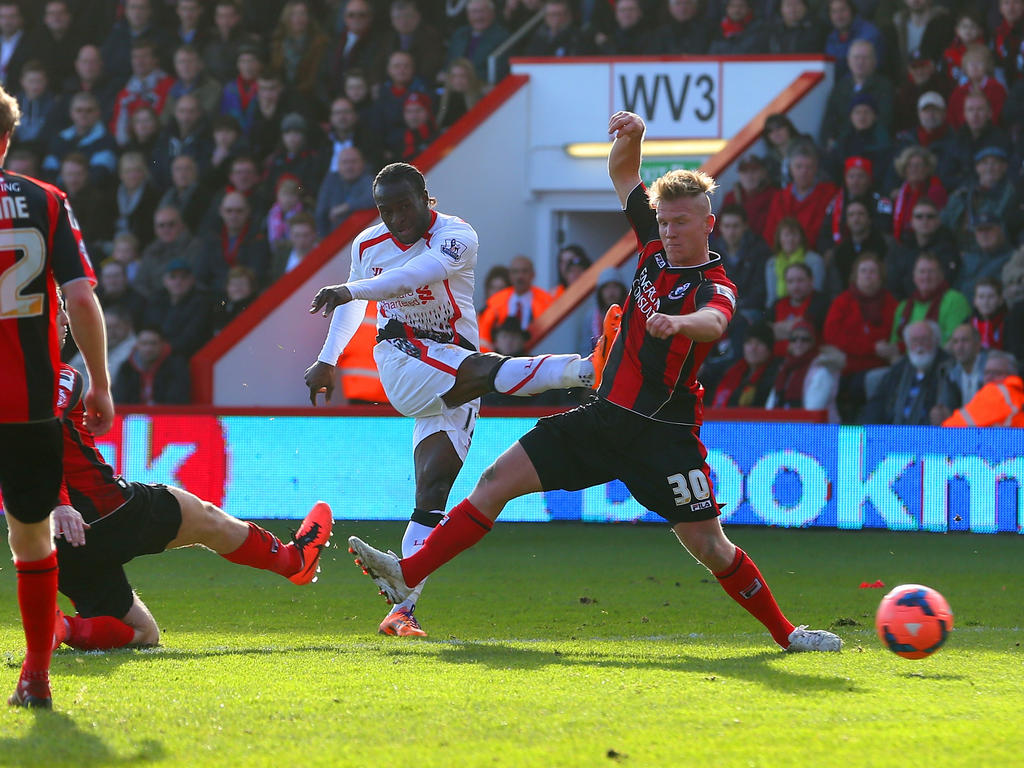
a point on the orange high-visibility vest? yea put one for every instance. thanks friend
(998, 404)
(496, 311)
(356, 367)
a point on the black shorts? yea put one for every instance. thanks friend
(31, 470)
(663, 465)
(92, 575)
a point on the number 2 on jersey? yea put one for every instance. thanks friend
(14, 301)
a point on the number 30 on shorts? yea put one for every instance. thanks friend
(684, 492)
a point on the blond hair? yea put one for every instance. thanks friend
(679, 184)
(10, 113)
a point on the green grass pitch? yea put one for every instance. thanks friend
(551, 645)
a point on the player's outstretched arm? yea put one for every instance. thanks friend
(707, 324)
(86, 319)
(624, 158)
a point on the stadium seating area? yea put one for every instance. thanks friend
(207, 145)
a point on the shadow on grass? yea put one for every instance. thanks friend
(755, 667)
(55, 738)
(103, 663)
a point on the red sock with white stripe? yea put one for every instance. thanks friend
(37, 599)
(100, 633)
(525, 376)
(745, 584)
(460, 529)
(262, 549)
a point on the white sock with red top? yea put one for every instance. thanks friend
(525, 376)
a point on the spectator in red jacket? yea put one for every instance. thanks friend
(805, 198)
(979, 68)
(148, 86)
(754, 191)
(802, 302)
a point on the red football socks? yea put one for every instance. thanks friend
(262, 549)
(745, 584)
(99, 633)
(37, 599)
(460, 529)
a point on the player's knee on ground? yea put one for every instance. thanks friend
(141, 620)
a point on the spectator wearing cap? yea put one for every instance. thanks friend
(148, 86)
(932, 300)
(969, 29)
(990, 311)
(137, 23)
(227, 36)
(990, 192)
(925, 234)
(931, 132)
(181, 310)
(986, 256)
(922, 28)
(419, 129)
(739, 31)
(861, 136)
(858, 179)
(846, 29)
(979, 69)
(795, 30)
(298, 48)
(239, 240)
(916, 166)
(748, 382)
(238, 98)
(863, 80)
(572, 262)
(153, 374)
(922, 77)
(191, 79)
(753, 191)
(977, 132)
(685, 29)
(296, 156)
(745, 256)
(805, 198)
(344, 191)
(478, 38)
(173, 242)
(861, 235)
(187, 133)
(408, 32)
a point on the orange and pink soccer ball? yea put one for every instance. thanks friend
(913, 621)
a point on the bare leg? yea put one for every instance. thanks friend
(29, 541)
(141, 620)
(207, 524)
(707, 542)
(510, 476)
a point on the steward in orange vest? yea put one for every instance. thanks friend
(357, 371)
(1000, 403)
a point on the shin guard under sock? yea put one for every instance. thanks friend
(745, 584)
(460, 529)
(262, 549)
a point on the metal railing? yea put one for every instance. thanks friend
(501, 50)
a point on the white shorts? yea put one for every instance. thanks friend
(415, 373)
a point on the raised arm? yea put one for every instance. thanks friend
(624, 158)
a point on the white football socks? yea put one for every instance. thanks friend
(412, 541)
(525, 376)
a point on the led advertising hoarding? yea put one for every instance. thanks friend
(793, 475)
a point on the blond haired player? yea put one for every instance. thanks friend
(644, 428)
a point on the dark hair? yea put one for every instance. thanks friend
(789, 222)
(579, 254)
(302, 217)
(733, 209)
(498, 270)
(144, 42)
(802, 266)
(509, 325)
(397, 173)
(867, 256)
(992, 282)
(151, 327)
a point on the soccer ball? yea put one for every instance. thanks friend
(913, 621)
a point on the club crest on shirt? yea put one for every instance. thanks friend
(453, 249)
(678, 292)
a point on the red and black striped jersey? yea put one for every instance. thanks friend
(90, 485)
(41, 247)
(658, 377)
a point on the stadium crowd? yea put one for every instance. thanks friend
(207, 146)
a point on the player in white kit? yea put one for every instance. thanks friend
(418, 266)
